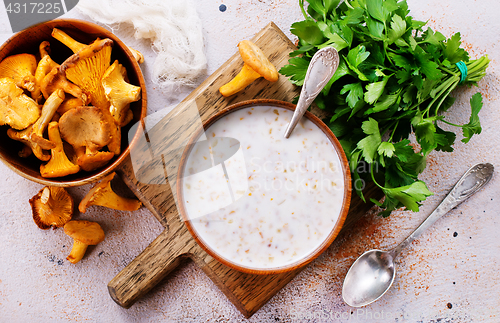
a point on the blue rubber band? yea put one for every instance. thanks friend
(463, 71)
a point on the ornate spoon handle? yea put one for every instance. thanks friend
(321, 69)
(471, 182)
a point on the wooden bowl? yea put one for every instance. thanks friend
(28, 41)
(328, 239)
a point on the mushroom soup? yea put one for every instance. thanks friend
(270, 201)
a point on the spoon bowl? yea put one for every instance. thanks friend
(369, 278)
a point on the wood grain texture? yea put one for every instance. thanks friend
(148, 177)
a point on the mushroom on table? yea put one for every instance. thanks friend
(256, 65)
(84, 233)
(102, 194)
(52, 206)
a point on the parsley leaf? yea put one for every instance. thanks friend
(447, 139)
(474, 126)
(376, 28)
(384, 103)
(403, 150)
(375, 90)
(386, 149)
(355, 93)
(431, 37)
(353, 17)
(398, 26)
(409, 195)
(296, 69)
(376, 9)
(370, 143)
(354, 59)
(308, 31)
(452, 52)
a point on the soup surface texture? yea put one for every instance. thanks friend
(260, 200)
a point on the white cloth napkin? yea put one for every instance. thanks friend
(173, 27)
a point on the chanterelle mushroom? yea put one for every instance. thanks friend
(52, 206)
(21, 69)
(67, 40)
(44, 48)
(76, 46)
(84, 233)
(128, 117)
(59, 165)
(69, 104)
(16, 108)
(91, 160)
(55, 80)
(119, 93)
(86, 68)
(33, 135)
(102, 194)
(85, 126)
(255, 65)
(137, 55)
(45, 65)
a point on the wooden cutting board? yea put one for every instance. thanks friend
(247, 292)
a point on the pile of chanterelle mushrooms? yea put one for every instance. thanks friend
(74, 110)
(54, 206)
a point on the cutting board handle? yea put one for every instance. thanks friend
(162, 256)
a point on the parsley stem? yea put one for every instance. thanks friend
(389, 127)
(449, 71)
(301, 4)
(451, 124)
(443, 88)
(394, 131)
(477, 64)
(373, 177)
(386, 45)
(451, 88)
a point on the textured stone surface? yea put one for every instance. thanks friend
(438, 271)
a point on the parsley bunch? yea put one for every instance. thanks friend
(394, 78)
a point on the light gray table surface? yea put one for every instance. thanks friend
(455, 264)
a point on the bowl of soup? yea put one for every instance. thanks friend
(257, 202)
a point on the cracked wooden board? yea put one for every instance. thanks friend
(247, 292)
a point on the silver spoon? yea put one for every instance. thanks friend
(321, 69)
(372, 274)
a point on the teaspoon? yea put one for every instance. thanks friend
(372, 274)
